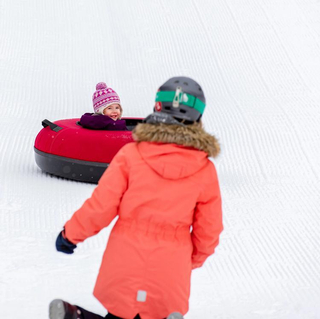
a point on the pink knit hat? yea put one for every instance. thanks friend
(104, 96)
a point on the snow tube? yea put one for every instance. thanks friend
(64, 148)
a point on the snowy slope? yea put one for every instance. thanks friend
(259, 64)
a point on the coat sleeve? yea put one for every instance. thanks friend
(94, 121)
(207, 223)
(101, 208)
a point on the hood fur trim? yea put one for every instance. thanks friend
(189, 135)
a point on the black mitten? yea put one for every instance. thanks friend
(64, 245)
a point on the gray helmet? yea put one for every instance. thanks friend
(182, 98)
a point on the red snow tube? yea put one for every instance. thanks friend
(64, 148)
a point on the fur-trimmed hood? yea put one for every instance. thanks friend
(189, 135)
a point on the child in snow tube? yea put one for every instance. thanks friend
(165, 192)
(107, 111)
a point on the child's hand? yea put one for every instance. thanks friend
(64, 245)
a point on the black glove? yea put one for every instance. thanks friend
(64, 245)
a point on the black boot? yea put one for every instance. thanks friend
(59, 309)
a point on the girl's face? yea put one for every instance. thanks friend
(113, 111)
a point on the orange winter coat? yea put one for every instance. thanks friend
(167, 200)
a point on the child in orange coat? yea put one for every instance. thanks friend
(165, 193)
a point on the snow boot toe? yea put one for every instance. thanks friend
(175, 315)
(59, 309)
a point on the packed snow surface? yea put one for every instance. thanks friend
(259, 65)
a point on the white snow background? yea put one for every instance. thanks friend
(258, 62)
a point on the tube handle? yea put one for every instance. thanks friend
(54, 127)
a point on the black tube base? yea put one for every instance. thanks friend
(77, 170)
